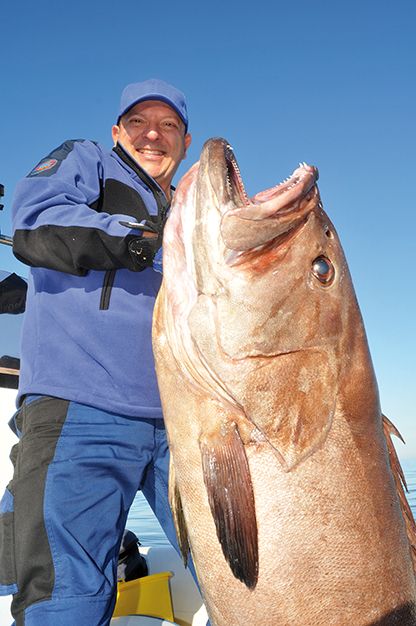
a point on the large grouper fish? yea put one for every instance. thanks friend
(284, 480)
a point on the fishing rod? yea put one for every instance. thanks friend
(7, 241)
(4, 239)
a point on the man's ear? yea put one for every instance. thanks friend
(188, 140)
(115, 132)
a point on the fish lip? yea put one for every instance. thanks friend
(218, 160)
(252, 258)
(288, 194)
(227, 182)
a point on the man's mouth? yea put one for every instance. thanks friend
(151, 152)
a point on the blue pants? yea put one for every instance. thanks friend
(77, 471)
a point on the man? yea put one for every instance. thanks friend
(89, 223)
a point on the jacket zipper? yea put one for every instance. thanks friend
(106, 289)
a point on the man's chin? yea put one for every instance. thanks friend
(151, 168)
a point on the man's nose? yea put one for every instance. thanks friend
(152, 134)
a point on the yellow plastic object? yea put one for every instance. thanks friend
(149, 595)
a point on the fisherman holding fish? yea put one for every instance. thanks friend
(89, 222)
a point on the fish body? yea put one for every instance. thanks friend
(284, 482)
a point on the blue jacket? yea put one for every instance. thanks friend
(87, 329)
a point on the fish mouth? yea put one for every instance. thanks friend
(234, 182)
(280, 198)
(288, 194)
(248, 223)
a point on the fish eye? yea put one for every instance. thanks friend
(323, 270)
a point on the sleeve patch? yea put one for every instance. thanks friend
(43, 167)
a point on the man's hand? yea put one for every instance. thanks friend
(143, 249)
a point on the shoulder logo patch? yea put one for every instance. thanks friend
(45, 165)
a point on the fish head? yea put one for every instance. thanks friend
(274, 261)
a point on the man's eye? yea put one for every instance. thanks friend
(169, 124)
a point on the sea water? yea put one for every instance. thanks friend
(142, 521)
(409, 468)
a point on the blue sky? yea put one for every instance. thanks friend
(330, 83)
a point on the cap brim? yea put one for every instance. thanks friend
(160, 98)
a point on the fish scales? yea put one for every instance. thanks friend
(285, 483)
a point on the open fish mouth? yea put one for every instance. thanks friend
(269, 216)
(234, 181)
(285, 196)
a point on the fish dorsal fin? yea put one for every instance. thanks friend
(231, 499)
(292, 402)
(390, 429)
(177, 513)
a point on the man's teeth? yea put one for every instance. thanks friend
(148, 151)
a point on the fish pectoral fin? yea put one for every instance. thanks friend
(231, 499)
(400, 481)
(177, 513)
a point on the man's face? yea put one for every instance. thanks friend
(154, 135)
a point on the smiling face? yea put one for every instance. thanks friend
(154, 135)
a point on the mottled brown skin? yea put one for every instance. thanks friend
(281, 467)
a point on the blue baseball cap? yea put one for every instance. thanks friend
(154, 89)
